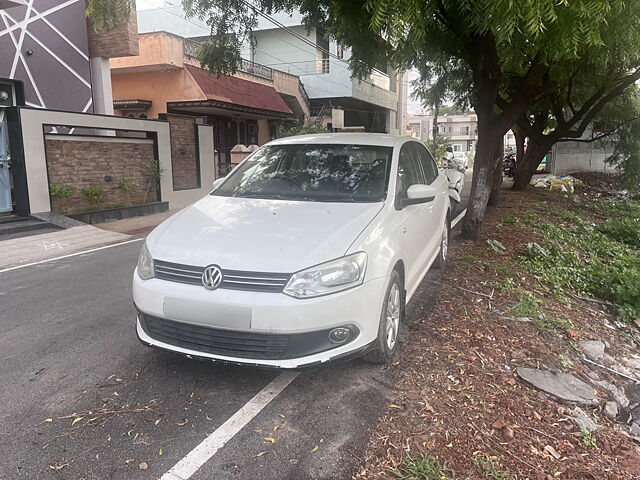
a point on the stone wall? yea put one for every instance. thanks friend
(121, 41)
(99, 162)
(184, 159)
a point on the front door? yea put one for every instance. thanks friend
(5, 177)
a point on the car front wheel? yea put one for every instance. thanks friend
(391, 317)
(443, 254)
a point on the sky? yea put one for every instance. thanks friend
(413, 107)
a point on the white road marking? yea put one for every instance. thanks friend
(214, 442)
(458, 218)
(70, 255)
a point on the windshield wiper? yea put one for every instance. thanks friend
(262, 195)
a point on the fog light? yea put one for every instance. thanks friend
(339, 335)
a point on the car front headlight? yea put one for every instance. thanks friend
(145, 263)
(334, 276)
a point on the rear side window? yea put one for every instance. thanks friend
(426, 160)
(409, 170)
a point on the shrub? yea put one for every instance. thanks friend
(601, 261)
(63, 192)
(127, 188)
(624, 230)
(93, 194)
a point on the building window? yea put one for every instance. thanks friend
(457, 147)
(464, 130)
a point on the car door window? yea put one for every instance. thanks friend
(429, 167)
(409, 170)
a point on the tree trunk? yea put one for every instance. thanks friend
(496, 195)
(520, 138)
(530, 161)
(483, 169)
(434, 132)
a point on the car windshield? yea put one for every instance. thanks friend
(312, 172)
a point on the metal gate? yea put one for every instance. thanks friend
(5, 176)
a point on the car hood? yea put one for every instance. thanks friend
(260, 235)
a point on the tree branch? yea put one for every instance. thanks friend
(570, 89)
(593, 106)
(601, 135)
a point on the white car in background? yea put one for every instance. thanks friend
(307, 252)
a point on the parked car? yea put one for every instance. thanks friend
(306, 252)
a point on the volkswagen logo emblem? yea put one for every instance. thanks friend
(212, 277)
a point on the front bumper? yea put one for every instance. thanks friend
(260, 320)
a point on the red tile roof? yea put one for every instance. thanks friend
(238, 91)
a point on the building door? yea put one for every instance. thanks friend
(5, 177)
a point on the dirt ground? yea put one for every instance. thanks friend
(458, 398)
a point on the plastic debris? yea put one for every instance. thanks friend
(562, 183)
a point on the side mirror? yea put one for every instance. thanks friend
(420, 193)
(217, 182)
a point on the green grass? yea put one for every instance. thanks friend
(423, 468)
(511, 220)
(601, 261)
(490, 467)
(530, 306)
(564, 361)
(587, 438)
(506, 285)
(499, 268)
(552, 324)
(527, 306)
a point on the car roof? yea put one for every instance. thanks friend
(373, 139)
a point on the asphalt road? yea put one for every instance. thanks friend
(68, 350)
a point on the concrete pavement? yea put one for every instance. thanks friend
(36, 248)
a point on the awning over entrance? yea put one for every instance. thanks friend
(231, 93)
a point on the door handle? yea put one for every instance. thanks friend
(404, 229)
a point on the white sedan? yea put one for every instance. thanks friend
(306, 253)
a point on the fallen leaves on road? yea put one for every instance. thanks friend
(270, 439)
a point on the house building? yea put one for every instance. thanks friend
(246, 108)
(280, 42)
(43, 40)
(461, 130)
(51, 57)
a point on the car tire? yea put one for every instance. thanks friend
(391, 319)
(443, 254)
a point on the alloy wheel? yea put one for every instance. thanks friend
(393, 316)
(445, 242)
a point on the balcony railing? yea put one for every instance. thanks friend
(256, 69)
(191, 50)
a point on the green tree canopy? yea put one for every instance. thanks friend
(497, 53)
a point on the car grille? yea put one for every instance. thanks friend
(215, 341)
(231, 279)
(231, 343)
